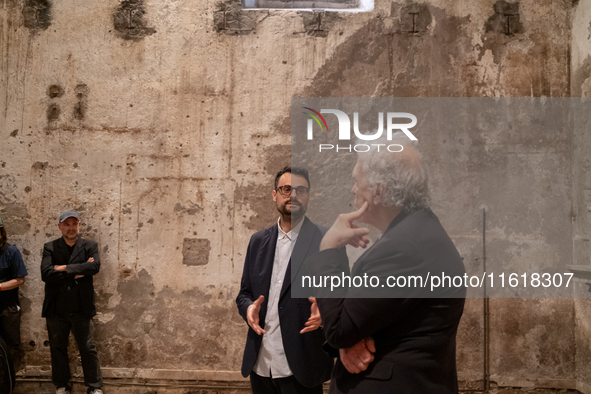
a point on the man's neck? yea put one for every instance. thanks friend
(70, 242)
(286, 224)
(386, 217)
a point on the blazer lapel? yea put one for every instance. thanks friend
(266, 257)
(77, 249)
(298, 253)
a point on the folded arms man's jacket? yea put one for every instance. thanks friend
(56, 253)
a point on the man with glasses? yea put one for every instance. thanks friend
(283, 352)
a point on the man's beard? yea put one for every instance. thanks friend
(71, 234)
(289, 212)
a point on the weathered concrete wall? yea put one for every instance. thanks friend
(581, 86)
(163, 123)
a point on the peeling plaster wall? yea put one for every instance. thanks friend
(163, 123)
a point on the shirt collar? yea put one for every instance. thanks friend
(293, 234)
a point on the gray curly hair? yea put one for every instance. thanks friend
(402, 174)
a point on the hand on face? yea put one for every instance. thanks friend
(345, 232)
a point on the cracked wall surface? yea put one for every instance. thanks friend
(163, 123)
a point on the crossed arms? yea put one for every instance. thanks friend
(64, 274)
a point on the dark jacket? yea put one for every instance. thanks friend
(310, 365)
(11, 267)
(56, 253)
(415, 337)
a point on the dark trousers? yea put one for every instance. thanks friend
(10, 332)
(59, 329)
(289, 385)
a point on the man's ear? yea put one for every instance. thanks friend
(378, 195)
(274, 195)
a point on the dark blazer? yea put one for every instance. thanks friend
(56, 253)
(310, 365)
(415, 338)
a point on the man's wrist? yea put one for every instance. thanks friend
(327, 244)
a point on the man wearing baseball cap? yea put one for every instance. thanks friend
(12, 276)
(67, 268)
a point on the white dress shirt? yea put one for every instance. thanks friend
(271, 361)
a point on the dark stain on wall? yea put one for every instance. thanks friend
(53, 112)
(319, 24)
(580, 75)
(185, 329)
(548, 76)
(276, 157)
(505, 20)
(496, 37)
(87, 232)
(37, 14)
(81, 106)
(191, 209)
(40, 165)
(400, 68)
(256, 199)
(229, 18)
(364, 46)
(129, 20)
(55, 91)
(583, 337)
(125, 273)
(122, 340)
(196, 251)
(470, 338)
(415, 18)
(520, 332)
(7, 189)
(126, 208)
(16, 218)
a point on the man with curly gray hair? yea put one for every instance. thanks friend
(392, 338)
(401, 174)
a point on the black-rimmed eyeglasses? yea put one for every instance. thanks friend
(285, 191)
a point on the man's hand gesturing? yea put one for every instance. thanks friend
(315, 319)
(252, 315)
